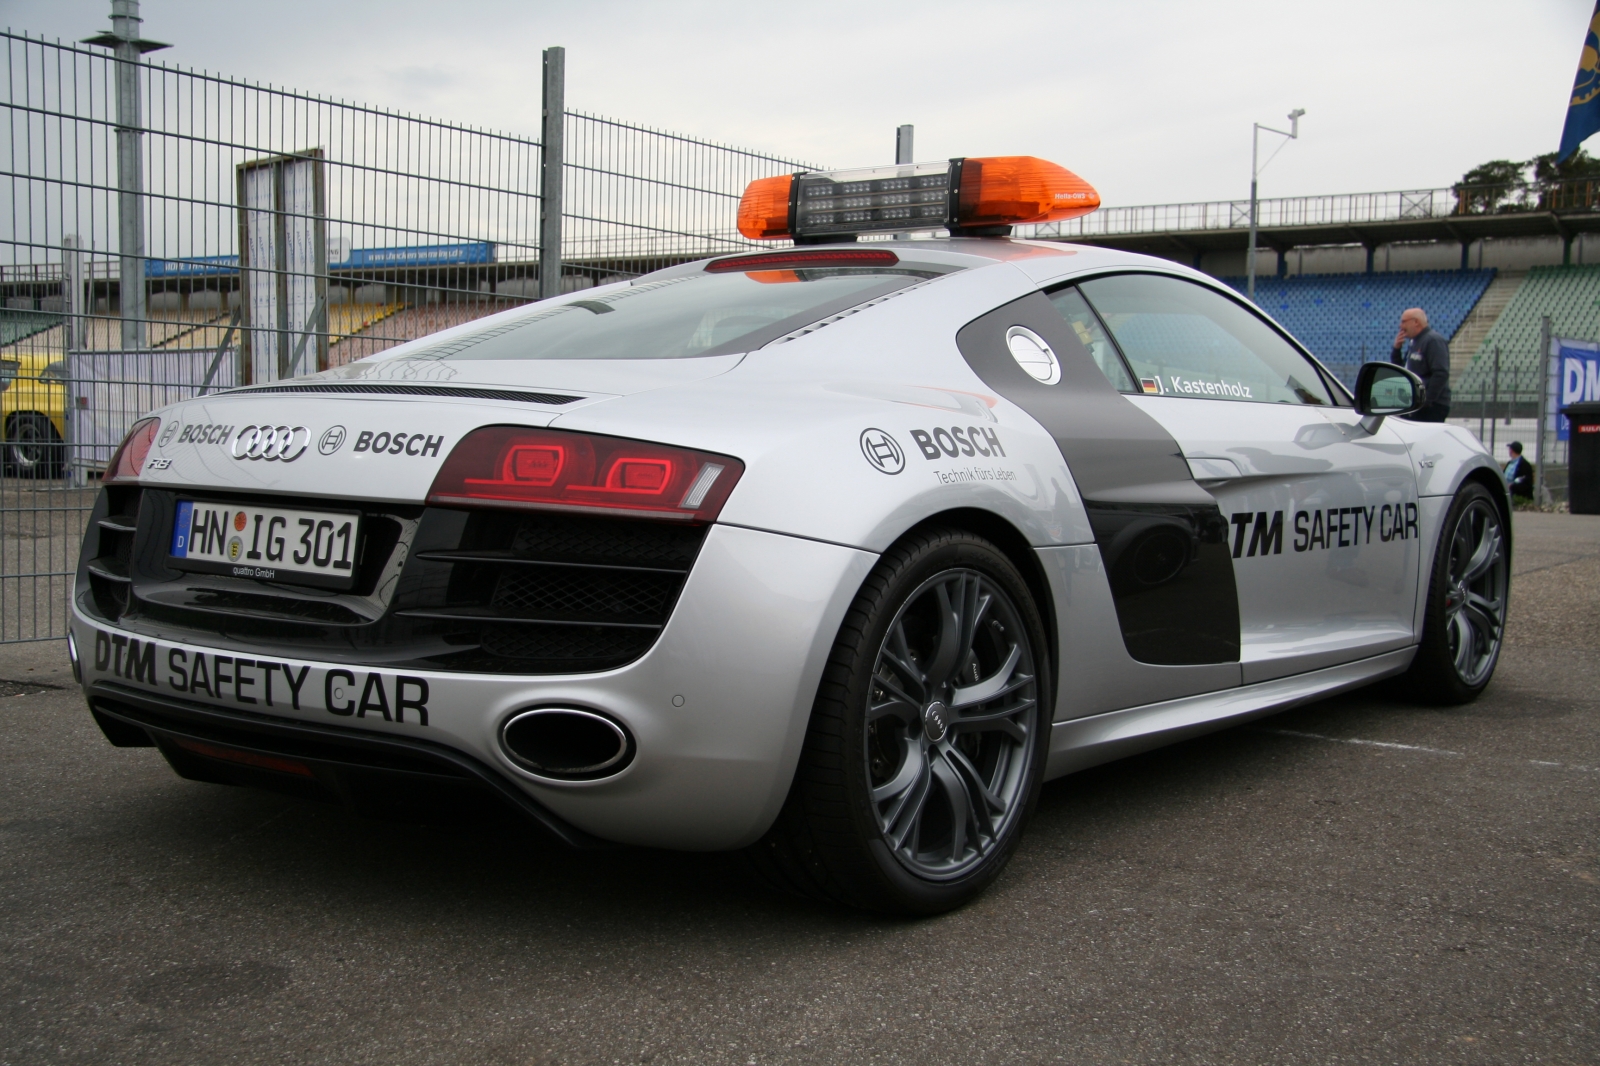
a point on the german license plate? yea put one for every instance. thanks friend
(267, 543)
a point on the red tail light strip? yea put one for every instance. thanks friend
(128, 461)
(542, 469)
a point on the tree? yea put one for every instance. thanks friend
(1502, 185)
(1569, 185)
(1492, 187)
(1581, 165)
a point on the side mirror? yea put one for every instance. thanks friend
(1384, 389)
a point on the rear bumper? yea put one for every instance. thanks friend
(379, 774)
(718, 707)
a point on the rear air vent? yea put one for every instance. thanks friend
(374, 388)
(544, 593)
(108, 551)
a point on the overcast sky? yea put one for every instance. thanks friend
(1150, 100)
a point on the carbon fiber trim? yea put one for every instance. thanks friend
(1161, 536)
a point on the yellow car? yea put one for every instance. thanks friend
(33, 403)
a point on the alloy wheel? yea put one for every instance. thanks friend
(1475, 596)
(951, 724)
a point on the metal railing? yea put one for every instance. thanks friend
(280, 232)
(1343, 208)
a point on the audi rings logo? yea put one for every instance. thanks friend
(282, 444)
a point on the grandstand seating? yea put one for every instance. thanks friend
(1346, 319)
(398, 324)
(1568, 295)
(18, 325)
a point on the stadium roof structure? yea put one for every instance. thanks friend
(1367, 219)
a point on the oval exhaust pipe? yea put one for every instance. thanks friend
(567, 743)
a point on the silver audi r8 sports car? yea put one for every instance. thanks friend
(832, 552)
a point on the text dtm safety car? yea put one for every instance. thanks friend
(834, 552)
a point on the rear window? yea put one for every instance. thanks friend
(678, 318)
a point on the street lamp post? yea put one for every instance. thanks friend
(1293, 132)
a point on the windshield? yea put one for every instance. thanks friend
(677, 318)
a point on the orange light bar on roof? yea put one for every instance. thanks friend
(982, 195)
(1010, 190)
(764, 208)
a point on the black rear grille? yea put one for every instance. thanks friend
(487, 592)
(544, 592)
(572, 539)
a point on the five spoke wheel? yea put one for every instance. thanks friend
(949, 725)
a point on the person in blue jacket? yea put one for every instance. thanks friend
(1519, 474)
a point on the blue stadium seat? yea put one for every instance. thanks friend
(1348, 319)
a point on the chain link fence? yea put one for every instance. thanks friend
(174, 232)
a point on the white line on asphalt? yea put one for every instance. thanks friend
(1418, 747)
(1365, 743)
(1566, 766)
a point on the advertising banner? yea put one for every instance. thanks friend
(1577, 370)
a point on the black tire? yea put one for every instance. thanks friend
(875, 818)
(32, 446)
(1464, 619)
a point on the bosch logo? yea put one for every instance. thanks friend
(204, 434)
(331, 440)
(958, 440)
(882, 451)
(401, 443)
(281, 444)
(167, 434)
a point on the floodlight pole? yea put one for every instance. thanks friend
(127, 46)
(1293, 132)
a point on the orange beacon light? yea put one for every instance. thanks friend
(971, 195)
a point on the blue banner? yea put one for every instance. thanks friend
(1583, 110)
(191, 267)
(466, 253)
(419, 255)
(1579, 370)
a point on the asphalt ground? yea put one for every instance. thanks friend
(1358, 881)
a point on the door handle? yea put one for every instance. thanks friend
(1205, 468)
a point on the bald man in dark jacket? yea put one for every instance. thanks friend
(1427, 356)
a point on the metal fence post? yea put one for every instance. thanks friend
(72, 297)
(125, 43)
(1494, 419)
(551, 157)
(1541, 484)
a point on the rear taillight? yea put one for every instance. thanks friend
(544, 469)
(129, 459)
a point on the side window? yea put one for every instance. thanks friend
(1184, 340)
(1070, 304)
